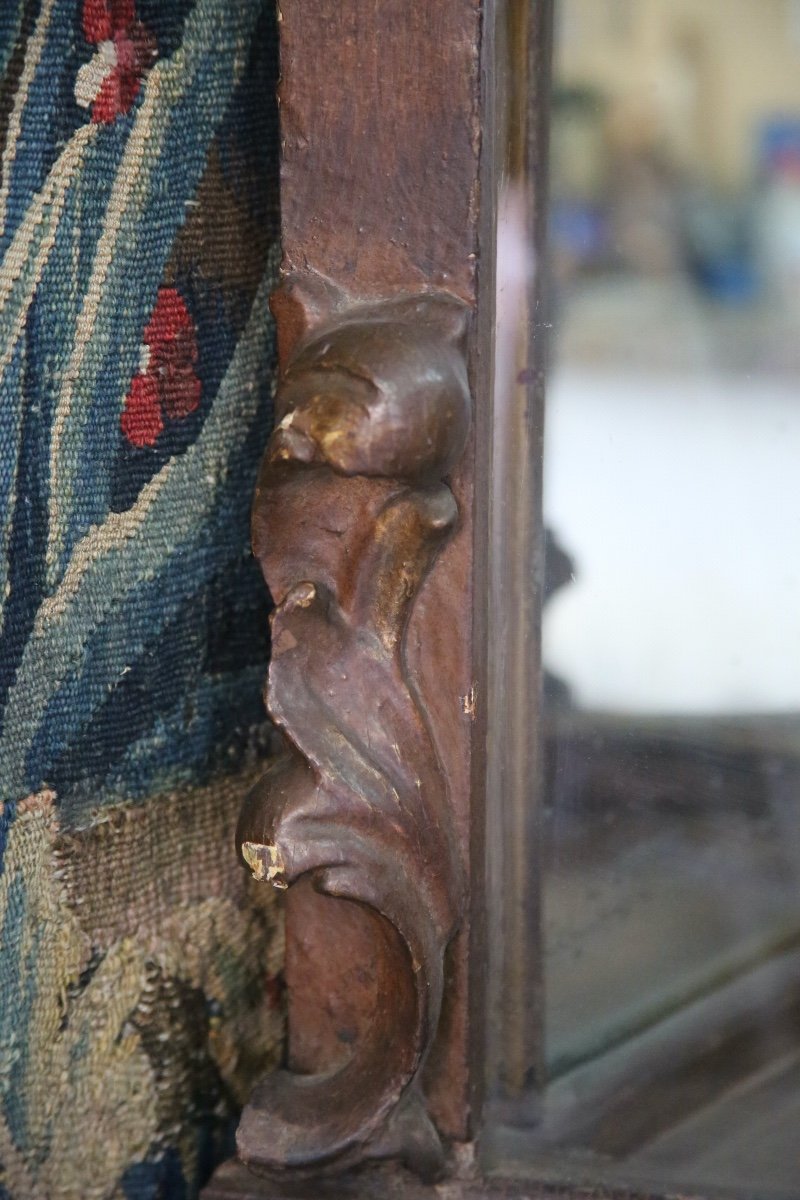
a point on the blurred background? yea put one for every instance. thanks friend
(674, 422)
(671, 635)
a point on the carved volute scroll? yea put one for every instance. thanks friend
(350, 512)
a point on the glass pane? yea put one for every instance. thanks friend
(671, 629)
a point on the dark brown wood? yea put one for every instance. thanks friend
(349, 515)
(380, 137)
(379, 192)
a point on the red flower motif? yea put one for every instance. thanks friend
(166, 384)
(126, 50)
(141, 419)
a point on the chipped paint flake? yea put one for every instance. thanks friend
(265, 863)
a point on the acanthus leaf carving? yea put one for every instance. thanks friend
(350, 512)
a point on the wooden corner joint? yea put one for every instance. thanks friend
(350, 511)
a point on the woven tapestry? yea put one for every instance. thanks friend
(139, 991)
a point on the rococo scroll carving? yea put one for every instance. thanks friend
(350, 512)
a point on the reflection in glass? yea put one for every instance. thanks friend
(671, 632)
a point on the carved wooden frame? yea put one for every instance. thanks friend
(366, 527)
(397, 521)
(363, 523)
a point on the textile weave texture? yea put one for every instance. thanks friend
(139, 985)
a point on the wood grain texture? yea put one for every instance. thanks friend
(380, 136)
(381, 139)
(363, 524)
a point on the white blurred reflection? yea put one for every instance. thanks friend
(678, 498)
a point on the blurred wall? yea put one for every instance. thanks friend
(694, 77)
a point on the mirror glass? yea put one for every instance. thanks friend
(671, 621)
